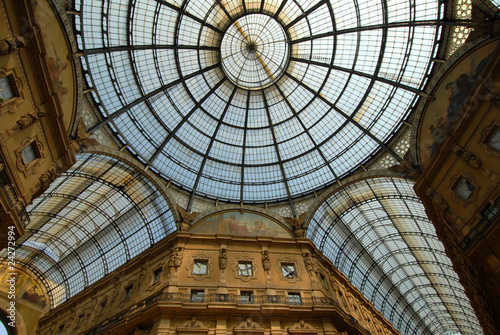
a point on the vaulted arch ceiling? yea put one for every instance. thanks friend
(92, 219)
(377, 233)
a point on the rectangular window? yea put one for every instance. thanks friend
(246, 297)
(60, 330)
(491, 212)
(494, 139)
(156, 276)
(245, 268)
(128, 291)
(103, 304)
(288, 270)
(80, 319)
(7, 90)
(464, 188)
(294, 299)
(200, 267)
(29, 153)
(197, 295)
(323, 280)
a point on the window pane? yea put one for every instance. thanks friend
(200, 267)
(6, 88)
(29, 154)
(245, 268)
(494, 140)
(464, 188)
(288, 270)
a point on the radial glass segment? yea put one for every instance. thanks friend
(254, 51)
(253, 101)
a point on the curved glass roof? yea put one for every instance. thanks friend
(94, 218)
(377, 233)
(253, 101)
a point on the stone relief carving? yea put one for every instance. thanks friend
(223, 259)
(25, 121)
(302, 325)
(297, 222)
(194, 323)
(175, 260)
(309, 261)
(248, 324)
(187, 218)
(11, 44)
(82, 139)
(266, 263)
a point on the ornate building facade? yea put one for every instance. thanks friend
(249, 167)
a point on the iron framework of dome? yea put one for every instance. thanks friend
(253, 101)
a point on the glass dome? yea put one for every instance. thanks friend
(253, 101)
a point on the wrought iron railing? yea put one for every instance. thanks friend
(212, 298)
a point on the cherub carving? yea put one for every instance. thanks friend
(302, 325)
(297, 223)
(82, 139)
(407, 166)
(187, 217)
(194, 323)
(248, 323)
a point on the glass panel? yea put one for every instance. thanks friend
(245, 268)
(494, 140)
(7, 90)
(197, 295)
(29, 153)
(200, 267)
(464, 188)
(288, 270)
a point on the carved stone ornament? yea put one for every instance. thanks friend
(82, 139)
(222, 259)
(175, 260)
(309, 261)
(192, 327)
(302, 327)
(11, 44)
(47, 177)
(194, 323)
(25, 121)
(266, 263)
(248, 327)
(187, 217)
(407, 166)
(297, 222)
